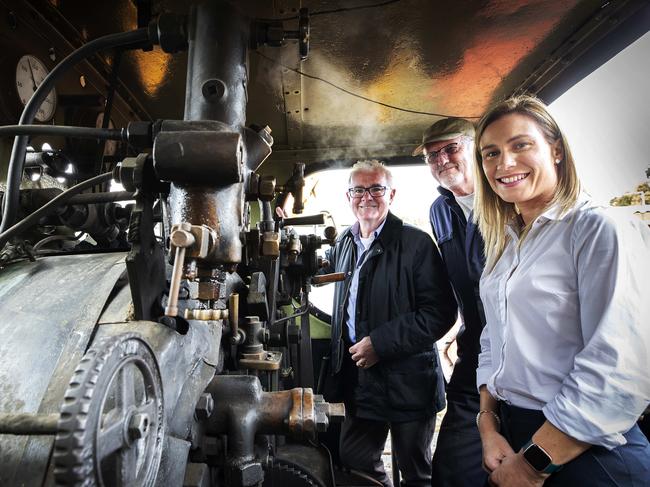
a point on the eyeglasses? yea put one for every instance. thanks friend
(374, 191)
(448, 150)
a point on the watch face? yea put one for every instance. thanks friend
(537, 457)
(30, 73)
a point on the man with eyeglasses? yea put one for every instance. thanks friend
(447, 148)
(393, 305)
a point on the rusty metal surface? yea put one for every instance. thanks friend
(221, 211)
(48, 313)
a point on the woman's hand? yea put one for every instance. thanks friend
(495, 449)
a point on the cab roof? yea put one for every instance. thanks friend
(379, 72)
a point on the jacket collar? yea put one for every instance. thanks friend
(392, 230)
(446, 193)
(450, 199)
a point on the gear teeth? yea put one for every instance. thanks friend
(283, 474)
(74, 455)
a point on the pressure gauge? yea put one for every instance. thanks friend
(30, 73)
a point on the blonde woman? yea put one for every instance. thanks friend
(564, 370)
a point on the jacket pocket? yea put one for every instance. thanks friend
(412, 391)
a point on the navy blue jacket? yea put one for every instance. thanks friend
(405, 304)
(461, 246)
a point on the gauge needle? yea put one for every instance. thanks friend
(31, 72)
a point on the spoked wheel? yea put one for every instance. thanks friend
(111, 425)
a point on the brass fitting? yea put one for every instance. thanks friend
(271, 244)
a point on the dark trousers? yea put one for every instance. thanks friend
(362, 443)
(457, 461)
(624, 466)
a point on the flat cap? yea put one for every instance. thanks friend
(445, 129)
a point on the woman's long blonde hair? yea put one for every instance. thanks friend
(490, 211)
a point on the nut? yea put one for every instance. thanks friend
(271, 244)
(130, 172)
(204, 406)
(246, 475)
(267, 188)
(139, 135)
(138, 426)
(208, 290)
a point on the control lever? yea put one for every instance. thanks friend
(322, 279)
(181, 238)
(237, 336)
(318, 219)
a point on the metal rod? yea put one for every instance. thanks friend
(28, 424)
(288, 318)
(181, 238)
(175, 283)
(318, 219)
(306, 363)
(107, 197)
(64, 131)
(233, 315)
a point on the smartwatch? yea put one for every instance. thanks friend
(539, 459)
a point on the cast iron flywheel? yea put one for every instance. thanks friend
(110, 432)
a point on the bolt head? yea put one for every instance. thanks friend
(204, 406)
(138, 426)
(267, 187)
(246, 475)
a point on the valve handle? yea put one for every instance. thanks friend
(181, 238)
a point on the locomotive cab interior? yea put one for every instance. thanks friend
(156, 258)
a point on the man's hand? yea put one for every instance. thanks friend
(514, 471)
(363, 353)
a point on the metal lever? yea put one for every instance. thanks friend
(181, 238)
(237, 335)
(318, 219)
(327, 278)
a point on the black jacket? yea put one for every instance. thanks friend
(404, 304)
(461, 246)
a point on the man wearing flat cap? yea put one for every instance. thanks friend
(447, 148)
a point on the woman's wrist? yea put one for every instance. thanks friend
(487, 422)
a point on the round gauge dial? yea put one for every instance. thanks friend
(30, 73)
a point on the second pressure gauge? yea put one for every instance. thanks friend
(30, 73)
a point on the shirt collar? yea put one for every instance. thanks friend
(554, 212)
(355, 230)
